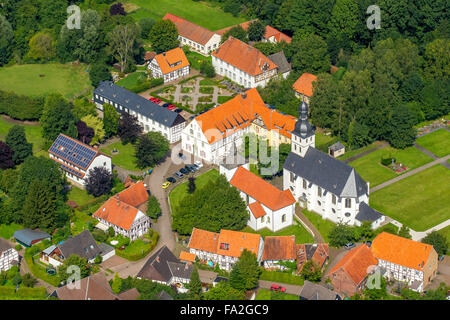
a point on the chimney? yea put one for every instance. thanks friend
(157, 259)
(244, 95)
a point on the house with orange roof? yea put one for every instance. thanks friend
(214, 134)
(349, 275)
(268, 206)
(169, 65)
(243, 64)
(270, 35)
(123, 212)
(303, 86)
(278, 249)
(224, 248)
(196, 37)
(405, 260)
(317, 252)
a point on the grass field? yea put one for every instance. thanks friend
(297, 230)
(195, 59)
(351, 153)
(80, 196)
(32, 132)
(264, 294)
(371, 170)
(205, 14)
(419, 201)
(438, 142)
(283, 277)
(80, 222)
(125, 158)
(68, 80)
(322, 225)
(7, 230)
(132, 80)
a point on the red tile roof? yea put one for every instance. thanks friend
(261, 190)
(256, 209)
(186, 256)
(279, 248)
(171, 60)
(401, 251)
(278, 35)
(304, 84)
(117, 212)
(356, 263)
(244, 57)
(244, 26)
(237, 113)
(134, 195)
(190, 30)
(149, 55)
(204, 240)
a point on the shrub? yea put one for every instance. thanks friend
(387, 161)
(99, 235)
(30, 107)
(111, 232)
(98, 259)
(18, 247)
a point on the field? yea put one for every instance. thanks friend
(125, 158)
(132, 80)
(300, 233)
(195, 59)
(180, 191)
(205, 14)
(264, 294)
(371, 170)
(32, 132)
(80, 196)
(68, 80)
(322, 225)
(437, 142)
(419, 201)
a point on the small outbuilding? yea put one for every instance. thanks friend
(336, 150)
(28, 237)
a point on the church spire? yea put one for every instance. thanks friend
(303, 133)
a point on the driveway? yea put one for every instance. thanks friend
(290, 288)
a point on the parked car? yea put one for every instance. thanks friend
(198, 163)
(171, 179)
(276, 287)
(171, 107)
(155, 100)
(188, 167)
(165, 185)
(178, 110)
(182, 156)
(192, 117)
(349, 245)
(178, 174)
(184, 171)
(165, 105)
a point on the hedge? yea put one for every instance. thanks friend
(21, 107)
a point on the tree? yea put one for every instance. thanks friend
(256, 30)
(98, 259)
(343, 22)
(129, 128)
(233, 7)
(195, 285)
(57, 118)
(163, 36)
(364, 231)
(117, 8)
(358, 135)
(340, 235)
(438, 241)
(311, 271)
(401, 131)
(96, 124)
(223, 291)
(121, 43)
(207, 69)
(110, 120)
(151, 149)
(65, 272)
(437, 59)
(99, 181)
(117, 284)
(236, 32)
(153, 208)
(309, 53)
(39, 207)
(41, 47)
(90, 40)
(6, 40)
(28, 280)
(18, 143)
(85, 133)
(6, 156)
(377, 293)
(82, 107)
(404, 232)
(99, 72)
(146, 25)
(246, 271)
(191, 185)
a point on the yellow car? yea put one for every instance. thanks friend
(165, 184)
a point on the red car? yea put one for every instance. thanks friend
(276, 287)
(172, 107)
(155, 100)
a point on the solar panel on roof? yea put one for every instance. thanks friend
(72, 151)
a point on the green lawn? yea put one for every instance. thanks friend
(419, 201)
(371, 170)
(208, 82)
(32, 132)
(323, 141)
(7, 230)
(125, 158)
(205, 14)
(283, 277)
(324, 226)
(351, 153)
(180, 191)
(223, 99)
(297, 230)
(132, 80)
(80, 196)
(68, 80)
(438, 142)
(80, 222)
(206, 90)
(264, 294)
(195, 59)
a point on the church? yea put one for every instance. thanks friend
(323, 184)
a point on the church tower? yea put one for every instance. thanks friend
(303, 135)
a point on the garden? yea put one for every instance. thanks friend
(437, 142)
(122, 155)
(264, 294)
(419, 201)
(137, 249)
(281, 276)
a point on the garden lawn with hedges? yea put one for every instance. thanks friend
(419, 201)
(297, 230)
(371, 170)
(283, 277)
(38, 270)
(437, 142)
(125, 158)
(139, 248)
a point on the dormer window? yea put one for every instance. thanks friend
(224, 246)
